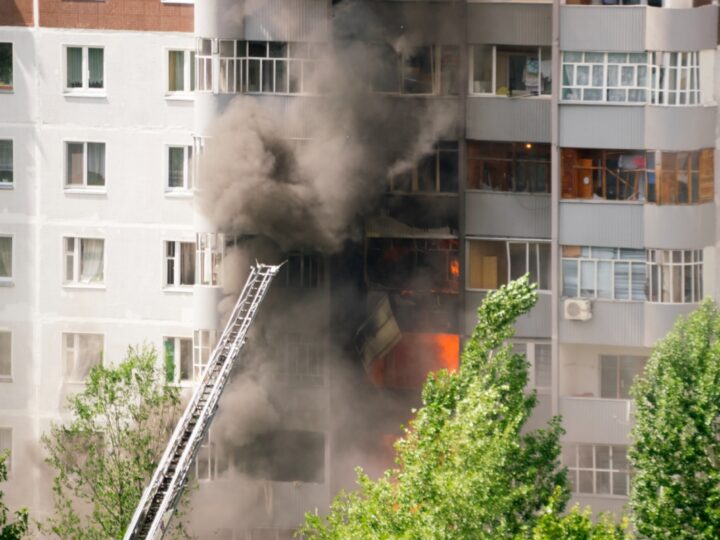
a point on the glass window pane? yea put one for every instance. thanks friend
(609, 377)
(622, 281)
(604, 279)
(585, 456)
(5, 351)
(587, 278)
(176, 71)
(75, 163)
(253, 76)
(570, 278)
(6, 66)
(5, 257)
(620, 483)
(96, 164)
(187, 263)
(639, 280)
(95, 68)
(268, 76)
(74, 67)
(518, 260)
(585, 482)
(6, 162)
(91, 260)
(176, 158)
(543, 366)
(597, 75)
(482, 69)
(582, 75)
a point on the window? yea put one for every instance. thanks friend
(84, 260)
(515, 167)
(5, 354)
(664, 78)
(180, 168)
(510, 71)
(203, 65)
(209, 258)
(178, 358)
(617, 374)
(638, 175)
(210, 461)
(424, 70)
(85, 165)
(6, 445)
(84, 69)
(81, 352)
(203, 343)
(492, 263)
(436, 172)
(6, 66)
(181, 72)
(6, 258)
(179, 264)
(599, 272)
(301, 271)
(6, 163)
(676, 276)
(300, 362)
(539, 356)
(597, 469)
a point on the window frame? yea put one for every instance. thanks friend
(9, 280)
(476, 148)
(77, 254)
(493, 82)
(84, 187)
(177, 359)
(696, 266)
(9, 461)
(530, 352)
(84, 89)
(176, 259)
(308, 279)
(508, 241)
(574, 469)
(616, 360)
(11, 183)
(188, 178)
(9, 376)
(76, 348)
(202, 340)
(189, 73)
(9, 88)
(439, 149)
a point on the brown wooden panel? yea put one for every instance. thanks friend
(16, 12)
(567, 173)
(707, 179)
(142, 15)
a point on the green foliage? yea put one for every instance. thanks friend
(105, 455)
(16, 529)
(576, 525)
(464, 470)
(676, 451)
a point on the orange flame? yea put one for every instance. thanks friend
(455, 268)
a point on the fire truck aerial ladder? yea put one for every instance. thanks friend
(158, 502)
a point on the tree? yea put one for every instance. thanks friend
(17, 529)
(106, 454)
(676, 439)
(464, 470)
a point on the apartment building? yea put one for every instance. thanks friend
(582, 151)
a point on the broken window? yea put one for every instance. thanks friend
(608, 273)
(179, 264)
(676, 276)
(597, 469)
(512, 71)
(301, 271)
(492, 263)
(203, 344)
(413, 264)
(81, 352)
(178, 358)
(436, 172)
(638, 175)
(617, 374)
(516, 167)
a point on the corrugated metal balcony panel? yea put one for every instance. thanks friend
(593, 420)
(602, 28)
(660, 318)
(508, 119)
(692, 29)
(601, 224)
(509, 23)
(536, 324)
(679, 128)
(288, 20)
(679, 226)
(602, 126)
(541, 413)
(497, 213)
(612, 323)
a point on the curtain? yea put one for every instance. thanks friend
(75, 154)
(6, 162)
(6, 66)
(185, 359)
(89, 354)
(176, 71)
(96, 164)
(95, 68)
(91, 260)
(187, 263)
(5, 257)
(175, 167)
(5, 347)
(74, 67)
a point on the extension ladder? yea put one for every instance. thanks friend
(158, 502)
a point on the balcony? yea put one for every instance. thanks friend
(535, 324)
(504, 213)
(494, 118)
(595, 420)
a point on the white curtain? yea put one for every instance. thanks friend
(91, 260)
(89, 355)
(96, 164)
(5, 257)
(95, 68)
(187, 263)
(74, 67)
(6, 162)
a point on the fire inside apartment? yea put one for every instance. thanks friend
(581, 151)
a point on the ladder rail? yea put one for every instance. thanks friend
(209, 389)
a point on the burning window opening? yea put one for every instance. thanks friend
(436, 172)
(301, 271)
(422, 70)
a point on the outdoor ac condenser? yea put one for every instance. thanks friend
(578, 309)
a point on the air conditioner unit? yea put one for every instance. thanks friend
(578, 309)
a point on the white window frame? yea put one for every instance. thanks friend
(177, 265)
(493, 83)
(7, 280)
(8, 377)
(204, 65)
(11, 184)
(177, 348)
(208, 452)
(572, 451)
(203, 341)
(188, 70)
(618, 359)
(9, 461)
(85, 89)
(210, 251)
(531, 347)
(188, 170)
(507, 242)
(84, 187)
(695, 265)
(596, 262)
(76, 254)
(11, 88)
(75, 351)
